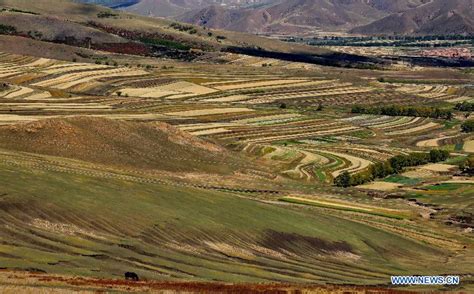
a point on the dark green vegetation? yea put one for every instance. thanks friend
(468, 126)
(395, 165)
(7, 30)
(467, 165)
(165, 43)
(464, 106)
(106, 14)
(397, 110)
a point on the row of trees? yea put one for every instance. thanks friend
(395, 165)
(397, 110)
(464, 106)
(468, 126)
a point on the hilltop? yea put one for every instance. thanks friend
(154, 145)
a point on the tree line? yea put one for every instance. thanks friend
(464, 106)
(394, 165)
(397, 110)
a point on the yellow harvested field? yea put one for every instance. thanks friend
(210, 132)
(232, 98)
(13, 118)
(212, 111)
(177, 88)
(39, 62)
(469, 146)
(19, 92)
(204, 126)
(423, 127)
(438, 167)
(76, 67)
(69, 80)
(418, 173)
(145, 92)
(267, 118)
(258, 84)
(380, 186)
(432, 142)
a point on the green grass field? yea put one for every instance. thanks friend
(82, 225)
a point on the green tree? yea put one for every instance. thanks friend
(343, 180)
(468, 126)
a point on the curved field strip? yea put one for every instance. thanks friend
(91, 78)
(397, 122)
(20, 92)
(68, 80)
(210, 111)
(74, 68)
(204, 126)
(309, 159)
(436, 92)
(40, 95)
(267, 119)
(302, 135)
(210, 132)
(238, 86)
(436, 142)
(335, 92)
(60, 106)
(258, 131)
(421, 128)
(5, 73)
(404, 123)
(185, 89)
(348, 206)
(217, 83)
(40, 62)
(364, 152)
(231, 98)
(356, 163)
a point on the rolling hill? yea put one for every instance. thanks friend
(117, 143)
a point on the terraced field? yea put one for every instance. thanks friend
(221, 173)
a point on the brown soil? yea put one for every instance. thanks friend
(24, 281)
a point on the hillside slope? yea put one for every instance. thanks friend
(435, 18)
(115, 31)
(102, 226)
(119, 143)
(290, 16)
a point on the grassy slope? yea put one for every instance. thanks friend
(165, 232)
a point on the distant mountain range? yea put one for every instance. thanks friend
(368, 17)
